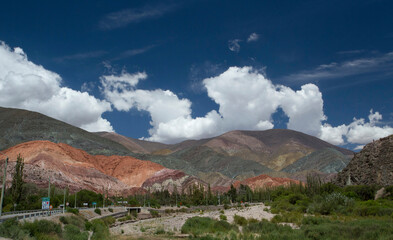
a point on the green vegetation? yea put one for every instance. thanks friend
(319, 210)
(98, 211)
(17, 180)
(201, 225)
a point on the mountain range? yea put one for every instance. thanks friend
(219, 161)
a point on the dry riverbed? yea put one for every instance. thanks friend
(174, 222)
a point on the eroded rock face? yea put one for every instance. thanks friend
(372, 165)
(258, 182)
(68, 166)
(171, 180)
(265, 181)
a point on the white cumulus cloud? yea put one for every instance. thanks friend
(357, 132)
(24, 84)
(246, 99)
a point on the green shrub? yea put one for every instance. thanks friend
(362, 192)
(88, 225)
(72, 210)
(73, 220)
(223, 217)
(126, 218)
(154, 213)
(42, 227)
(11, 228)
(203, 225)
(357, 229)
(72, 232)
(226, 206)
(159, 231)
(100, 230)
(267, 228)
(239, 220)
(110, 210)
(98, 211)
(333, 202)
(109, 220)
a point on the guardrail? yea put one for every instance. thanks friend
(40, 213)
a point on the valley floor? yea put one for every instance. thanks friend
(172, 224)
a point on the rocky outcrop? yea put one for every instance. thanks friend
(171, 180)
(371, 166)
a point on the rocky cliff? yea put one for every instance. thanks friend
(372, 165)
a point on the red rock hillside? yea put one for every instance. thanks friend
(68, 166)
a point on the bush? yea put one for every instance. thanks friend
(98, 211)
(72, 232)
(239, 220)
(11, 229)
(154, 213)
(110, 210)
(362, 192)
(202, 225)
(73, 220)
(72, 210)
(223, 217)
(109, 220)
(160, 231)
(42, 227)
(332, 202)
(268, 229)
(100, 230)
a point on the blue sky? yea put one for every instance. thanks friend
(108, 64)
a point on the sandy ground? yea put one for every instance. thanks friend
(174, 222)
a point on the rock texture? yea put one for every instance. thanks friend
(68, 166)
(372, 165)
(171, 180)
(242, 154)
(265, 181)
(326, 160)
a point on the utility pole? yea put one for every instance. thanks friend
(2, 190)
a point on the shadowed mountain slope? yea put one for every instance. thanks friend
(371, 166)
(18, 126)
(327, 160)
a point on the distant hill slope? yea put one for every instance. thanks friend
(262, 151)
(205, 159)
(134, 145)
(75, 168)
(371, 166)
(18, 126)
(326, 160)
(275, 148)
